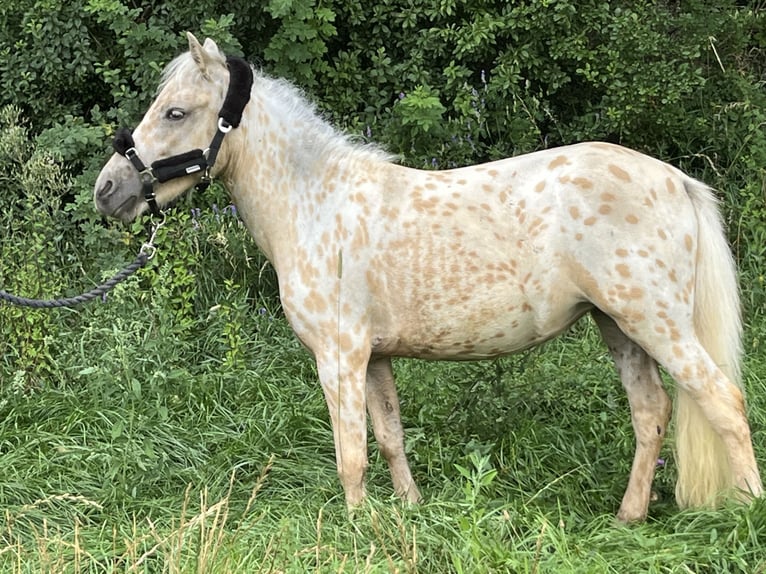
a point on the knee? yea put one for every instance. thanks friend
(390, 445)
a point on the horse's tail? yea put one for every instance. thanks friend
(704, 472)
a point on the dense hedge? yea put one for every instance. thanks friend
(481, 79)
(454, 82)
(443, 83)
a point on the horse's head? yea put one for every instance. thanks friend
(182, 121)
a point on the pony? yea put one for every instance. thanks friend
(376, 260)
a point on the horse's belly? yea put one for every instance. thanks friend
(473, 333)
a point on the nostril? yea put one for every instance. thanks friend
(104, 190)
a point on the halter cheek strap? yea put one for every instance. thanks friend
(191, 162)
(124, 145)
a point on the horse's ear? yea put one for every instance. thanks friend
(210, 46)
(204, 55)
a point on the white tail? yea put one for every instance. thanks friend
(704, 472)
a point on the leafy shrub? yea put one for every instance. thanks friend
(30, 250)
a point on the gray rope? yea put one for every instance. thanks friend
(147, 252)
(94, 293)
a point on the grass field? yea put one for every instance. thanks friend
(160, 443)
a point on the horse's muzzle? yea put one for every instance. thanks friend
(111, 203)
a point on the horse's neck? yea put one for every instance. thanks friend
(285, 168)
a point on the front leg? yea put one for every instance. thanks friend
(342, 375)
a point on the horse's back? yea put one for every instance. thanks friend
(489, 259)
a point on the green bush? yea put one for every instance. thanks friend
(31, 252)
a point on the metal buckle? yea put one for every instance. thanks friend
(224, 126)
(147, 176)
(148, 248)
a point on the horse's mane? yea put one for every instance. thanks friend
(177, 66)
(295, 105)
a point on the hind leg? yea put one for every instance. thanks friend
(650, 412)
(722, 405)
(710, 470)
(383, 406)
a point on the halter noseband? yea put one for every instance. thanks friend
(190, 162)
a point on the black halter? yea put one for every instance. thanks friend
(190, 162)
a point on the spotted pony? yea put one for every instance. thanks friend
(376, 260)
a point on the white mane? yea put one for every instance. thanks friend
(181, 65)
(290, 102)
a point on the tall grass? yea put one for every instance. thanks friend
(157, 452)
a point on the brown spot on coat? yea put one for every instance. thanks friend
(315, 303)
(583, 182)
(669, 185)
(623, 270)
(619, 173)
(560, 160)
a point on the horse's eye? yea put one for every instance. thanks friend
(175, 114)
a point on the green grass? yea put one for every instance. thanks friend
(153, 452)
(180, 428)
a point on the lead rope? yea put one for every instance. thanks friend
(145, 254)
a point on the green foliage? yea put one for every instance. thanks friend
(155, 461)
(30, 250)
(299, 42)
(420, 118)
(496, 78)
(95, 59)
